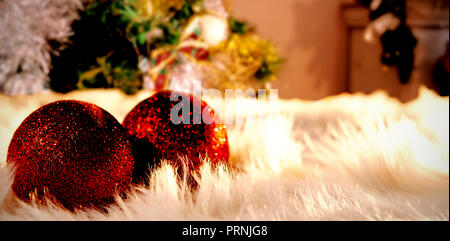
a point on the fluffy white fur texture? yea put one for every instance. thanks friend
(26, 27)
(348, 157)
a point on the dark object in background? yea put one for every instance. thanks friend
(366, 3)
(398, 50)
(396, 7)
(398, 44)
(440, 74)
(96, 38)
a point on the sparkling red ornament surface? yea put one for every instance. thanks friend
(75, 151)
(156, 137)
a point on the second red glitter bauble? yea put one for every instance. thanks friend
(157, 135)
(73, 151)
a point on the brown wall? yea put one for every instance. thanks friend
(308, 34)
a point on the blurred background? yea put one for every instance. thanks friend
(306, 49)
(326, 53)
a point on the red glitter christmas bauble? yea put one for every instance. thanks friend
(75, 151)
(174, 126)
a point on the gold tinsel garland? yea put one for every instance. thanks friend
(228, 53)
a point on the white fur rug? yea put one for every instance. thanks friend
(349, 157)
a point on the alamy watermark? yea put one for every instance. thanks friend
(234, 106)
